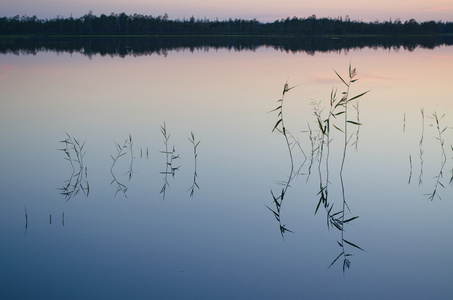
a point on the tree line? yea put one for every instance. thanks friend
(137, 24)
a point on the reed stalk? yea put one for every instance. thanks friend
(26, 219)
(170, 156)
(125, 148)
(440, 130)
(421, 151)
(281, 123)
(337, 107)
(78, 180)
(195, 155)
(280, 127)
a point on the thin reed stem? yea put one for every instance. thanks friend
(443, 159)
(421, 151)
(195, 155)
(78, 181)
(281, 122)
(122, 150)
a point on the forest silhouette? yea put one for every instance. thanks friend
(137, 24)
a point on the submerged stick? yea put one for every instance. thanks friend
(26, 218)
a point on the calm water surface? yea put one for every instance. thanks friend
(200, 226)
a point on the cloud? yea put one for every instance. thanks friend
(439, 8)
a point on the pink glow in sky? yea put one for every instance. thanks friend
(263, 10)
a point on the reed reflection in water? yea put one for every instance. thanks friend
(144, 243)
(170, 156)
(78, 180)
(440, 130)
(122, 150)
(321, 145)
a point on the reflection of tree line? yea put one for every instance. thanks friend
(337, 119)
(125, 46)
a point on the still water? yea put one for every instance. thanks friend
(153, 176)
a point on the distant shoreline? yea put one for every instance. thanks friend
(219, 35)
(147, 26)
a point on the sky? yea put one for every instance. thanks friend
(262, 10)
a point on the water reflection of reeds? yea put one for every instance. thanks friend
(195, 156)
(437, 180)
(26, 215)
(124, 156)
(421, 151)
(26, 220)
(338, 120)
(170, 156)
(78, 180)
(122, 150)
(291, 143)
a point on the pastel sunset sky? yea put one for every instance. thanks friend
(263, 10)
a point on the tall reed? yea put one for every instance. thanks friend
(345, 100)
(440, 130)
(170, 156)
(314, 149)
(280, 124)
(280, 127)
(338, 107)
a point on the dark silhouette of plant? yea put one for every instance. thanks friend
(443, 160)
(121, 151)
(280, 125)
(26, 220)
(421, 151)
(78, 180)
(170, 156)
(278, 201)
(195, 155)
(338, 107)
(451, 179)
(345, 100)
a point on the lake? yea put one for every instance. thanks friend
(156, 174)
